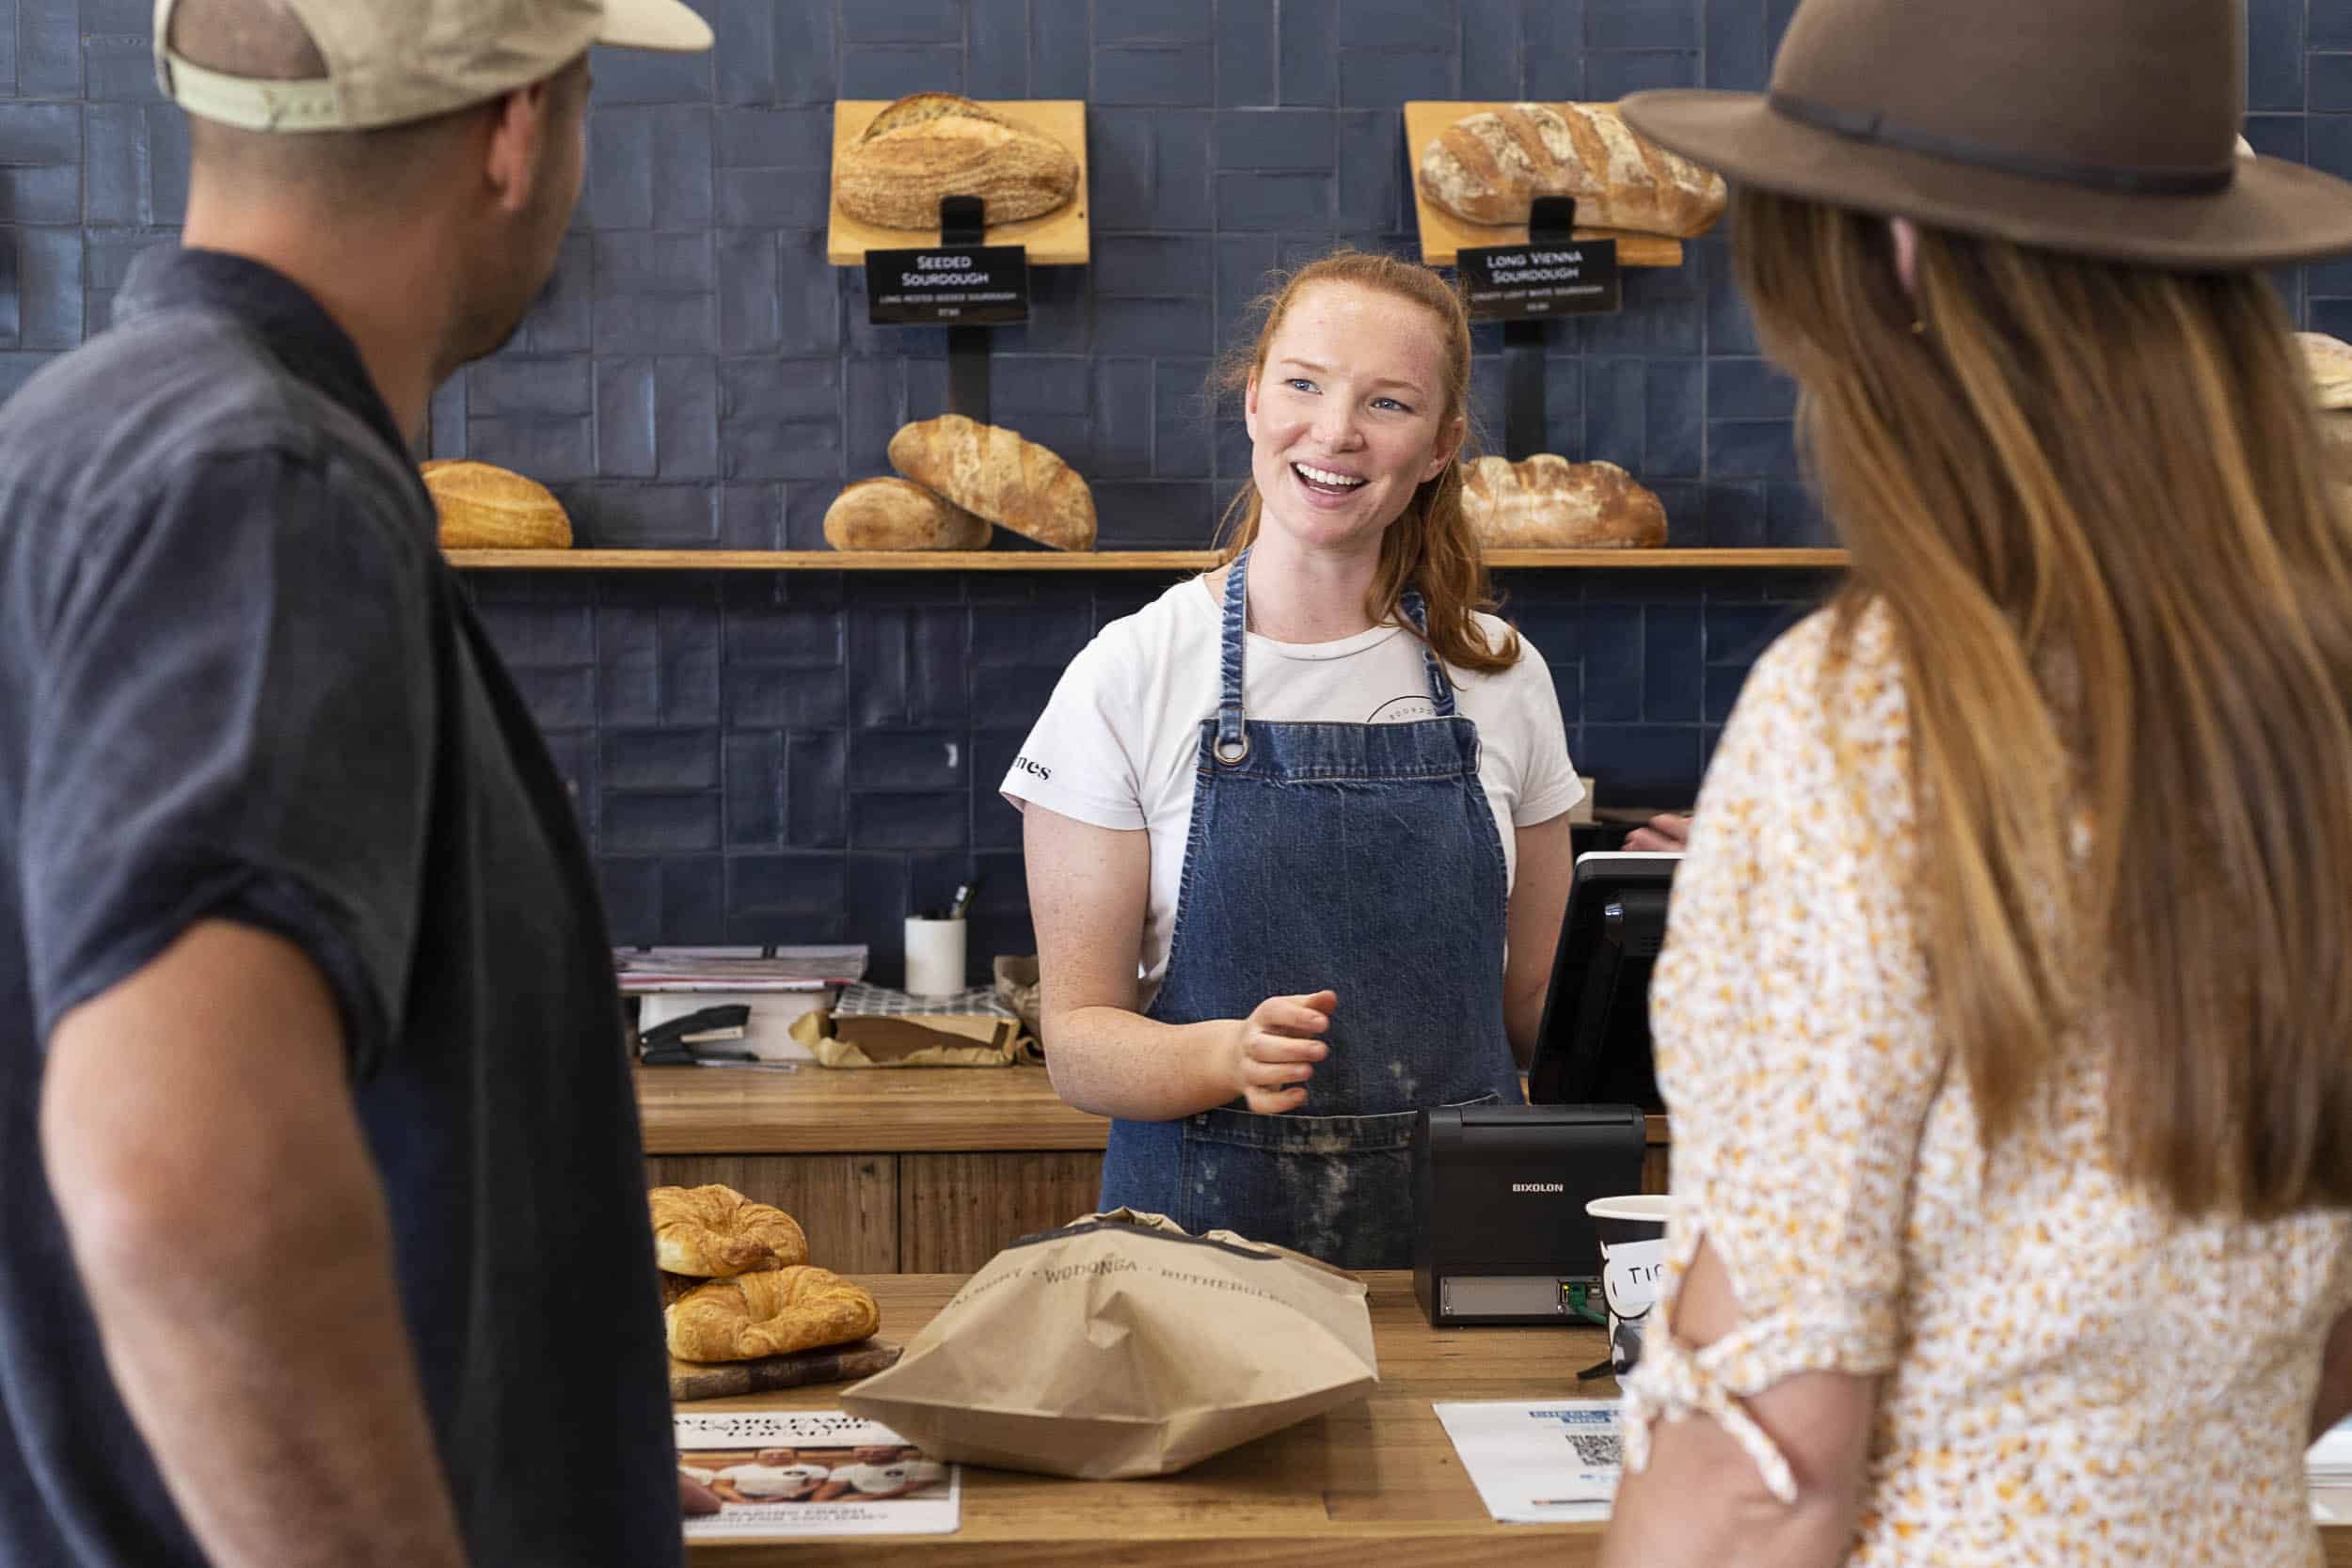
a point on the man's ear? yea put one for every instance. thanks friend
(1449, 447)
(512, 160)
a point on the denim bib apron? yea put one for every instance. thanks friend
(1362, 858)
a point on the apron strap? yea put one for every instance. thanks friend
(1440, 685)
(1232, 741)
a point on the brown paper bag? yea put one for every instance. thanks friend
(1121, 1346)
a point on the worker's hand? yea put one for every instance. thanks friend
(1670, 833)
(1275, 1050)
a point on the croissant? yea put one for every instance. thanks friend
(774, 1312)
(715, 1231)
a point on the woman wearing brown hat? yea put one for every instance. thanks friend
(2005, 1010)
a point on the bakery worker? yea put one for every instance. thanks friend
(1284, 823)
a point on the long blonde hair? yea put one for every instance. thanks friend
(1430, 546)
(2090, 499)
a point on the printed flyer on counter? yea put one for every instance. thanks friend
(781, 1473)
(1538, 1464)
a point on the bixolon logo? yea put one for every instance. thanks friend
(1539, 1186)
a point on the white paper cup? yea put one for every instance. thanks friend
(934, 956)
(1632, 1231)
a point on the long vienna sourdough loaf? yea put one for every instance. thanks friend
(900, 514)
(1490, 166)
(990, 470)
(1546, 503)
(936, 144)
(487, 508)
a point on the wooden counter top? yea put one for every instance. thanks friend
(1373, 1482)
(699, 1110)
(709, 1110)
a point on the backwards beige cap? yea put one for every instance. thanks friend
(389, 61)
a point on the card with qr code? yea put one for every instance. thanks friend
(1538, 1463)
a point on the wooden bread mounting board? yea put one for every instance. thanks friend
(711, 1380)
(1060, 238)
(1443, 235)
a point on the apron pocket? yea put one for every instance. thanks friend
(1337, 1188)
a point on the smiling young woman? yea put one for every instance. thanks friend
(1280, 822)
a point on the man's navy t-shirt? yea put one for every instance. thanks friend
(238, 681)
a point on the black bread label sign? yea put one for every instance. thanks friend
(984, 285)
(1535, 282)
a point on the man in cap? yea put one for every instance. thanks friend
(325, 1198)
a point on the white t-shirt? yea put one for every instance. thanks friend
(1117, 744)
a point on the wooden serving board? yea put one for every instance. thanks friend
(1443, 235)
(1058, 238)
(711, 1380)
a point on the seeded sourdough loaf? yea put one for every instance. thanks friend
(936, 144)
(1547, 501)
(900, 514)
(487, 508)
(990, 470)
(1490, 166)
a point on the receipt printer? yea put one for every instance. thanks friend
(1499, 1232)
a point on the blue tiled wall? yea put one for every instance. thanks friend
(801, 757)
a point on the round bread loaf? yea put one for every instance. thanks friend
(900, 514)
(1547, 501)
(487, 508)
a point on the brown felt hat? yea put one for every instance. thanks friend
(2104, 127)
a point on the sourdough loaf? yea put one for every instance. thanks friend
(1490, 166)
(990, 470)
(486, 508)
(2331, 363)
(936, 144)
(900, 514)
(1547, 501)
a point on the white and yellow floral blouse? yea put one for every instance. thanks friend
(2070, 1376)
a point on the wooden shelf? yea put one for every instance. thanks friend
(1055, 239)
(1076, 560)
(1443, 235)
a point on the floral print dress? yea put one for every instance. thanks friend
(2068, 1373)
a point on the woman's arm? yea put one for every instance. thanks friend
(1702, 1502)
(1088, 888)
(1539, 897)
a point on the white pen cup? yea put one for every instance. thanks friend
(934, 956)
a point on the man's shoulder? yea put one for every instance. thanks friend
(137, 402)
(144, 424)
